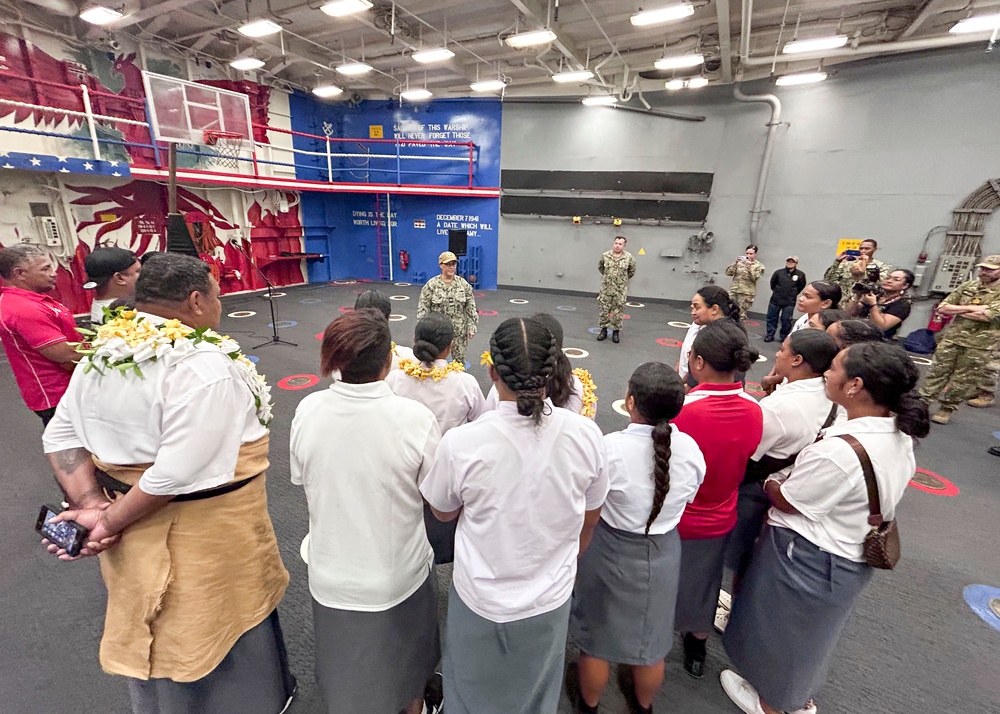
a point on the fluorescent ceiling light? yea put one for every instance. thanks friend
(436, 55)
(790, 80)
(697, 82)
(416, 94)
(100, 15)
(260, 28)
(674, 84)
(342, 8)
(327, 90)
(488, 85)
(527, 39)
(352, 69)
(573, 76)
(601, 100)
(817, 44)
(679, 61)
(982, 23)
(663, 14)
(246, 63)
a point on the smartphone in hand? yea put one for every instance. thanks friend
(68, 535)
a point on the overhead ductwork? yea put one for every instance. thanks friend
(59, 7)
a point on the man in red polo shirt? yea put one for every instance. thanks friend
(37, 331)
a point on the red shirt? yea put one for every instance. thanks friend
(28, 322)
(727, 424)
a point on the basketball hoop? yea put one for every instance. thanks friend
(227, 146)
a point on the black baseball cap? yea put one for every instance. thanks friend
(102, 263)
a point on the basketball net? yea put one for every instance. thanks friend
(227, 147)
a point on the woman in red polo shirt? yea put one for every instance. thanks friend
(727, 425)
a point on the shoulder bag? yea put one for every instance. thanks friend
(881, 546)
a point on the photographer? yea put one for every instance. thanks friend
(851, 266)
(886, 304)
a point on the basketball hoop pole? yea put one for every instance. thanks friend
(172, 178)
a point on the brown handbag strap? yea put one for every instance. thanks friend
(875, 517)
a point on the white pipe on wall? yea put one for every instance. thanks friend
(765, 164)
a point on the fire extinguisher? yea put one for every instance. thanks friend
(938, 321)
(404, 260)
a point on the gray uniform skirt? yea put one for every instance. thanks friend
(623, 601)
(503, 667)
(253, 678)
(702, 562)
(792, 606)
(377, 662)
(751, 514)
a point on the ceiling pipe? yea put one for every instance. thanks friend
(576, 101)
(59, 7)
(725, 48)
(765, 164)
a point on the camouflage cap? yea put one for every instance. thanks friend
(990, 261)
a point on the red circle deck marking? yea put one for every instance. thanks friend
(930, 482)
(667, 342)
(488, 313)
(295, 382)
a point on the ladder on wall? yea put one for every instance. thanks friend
(381, 239)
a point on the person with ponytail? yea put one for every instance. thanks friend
(709, 304)
(526, 483)
(565, 389)
(626, 587)
(727, 424)
(360, 452)
(816, 296)
(808, 570)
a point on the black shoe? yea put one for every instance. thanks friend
(995, 450)
(769, 338)
(694, 656)
(614, 337)
(603, 335)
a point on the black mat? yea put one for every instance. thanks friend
(912, 646)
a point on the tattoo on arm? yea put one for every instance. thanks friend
(69, 460)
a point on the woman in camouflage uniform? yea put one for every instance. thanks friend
(745, 272)
(450, 295)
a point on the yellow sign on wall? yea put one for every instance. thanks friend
(374, 131)
(848, 244)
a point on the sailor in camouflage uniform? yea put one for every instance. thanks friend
(745, 272)
(617, 266)
(968, 343)
(452, 296)
(847, 273)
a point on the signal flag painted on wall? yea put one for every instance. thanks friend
(420, 223)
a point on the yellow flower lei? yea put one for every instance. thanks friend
(417, 371)
(589, 388)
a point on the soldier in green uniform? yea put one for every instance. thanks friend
(846, 273)
(617, 266)
(452, 296)
(986, 395)
(968, 342)
(745, 272)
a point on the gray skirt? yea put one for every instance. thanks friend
(751, 514)
(702, 562)
(377, 662)
(792, 606)
(623, 601)
(253, 678)
(503, 668)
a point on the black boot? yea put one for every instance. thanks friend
(603, 335)
(694, 656)
(614, 337)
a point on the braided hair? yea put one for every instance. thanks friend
(560, 386)
(658, 393)
(524, 356)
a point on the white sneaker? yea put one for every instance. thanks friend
(722, 611)
(810, 708)
(725, 600)
(741, 692)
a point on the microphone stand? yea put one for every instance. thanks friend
(275, 340)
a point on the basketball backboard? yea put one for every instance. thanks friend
(183, 111)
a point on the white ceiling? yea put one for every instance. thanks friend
(593, 33)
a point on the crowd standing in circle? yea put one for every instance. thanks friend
(557, 532)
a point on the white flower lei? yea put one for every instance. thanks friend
(125, 341)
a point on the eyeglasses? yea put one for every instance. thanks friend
(451, 262)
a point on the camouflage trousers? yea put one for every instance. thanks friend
(611, 307)
(988, 383)
(744, 301)
(459, 345)
(955, 374)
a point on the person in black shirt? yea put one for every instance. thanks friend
(786, 284)
(888, 310)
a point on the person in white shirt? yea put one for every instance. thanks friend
(794, 416)
(709, 304)
(361, 452)
(626, 587)
(111, 274)
(188, 553)
(446, 389)
(816, 296)
(526, 482)
(809, 568)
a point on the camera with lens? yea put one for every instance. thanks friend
(871, 285)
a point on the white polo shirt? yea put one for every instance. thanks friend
(682, 364)
(630, 473)
(793, 416)
(574, 403)
(361, 452)
(827, 486)
(455, 400)
(523, 491)
(800, 324)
